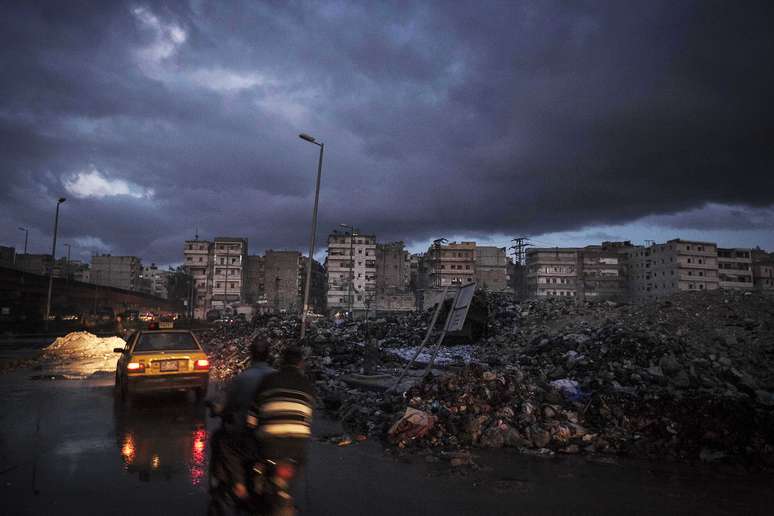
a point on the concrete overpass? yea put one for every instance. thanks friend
(23, 295)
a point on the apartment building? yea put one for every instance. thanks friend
(678, 265)
(198, 260)
(491, 268)
(735, 269)
(116, 271)
(351, 268)
(229, 255)
(156, 280)
(602, 271)
(254, 275)
(552, 271)
(763, 270)
(393, 268)
(450, 264)
(282, 280)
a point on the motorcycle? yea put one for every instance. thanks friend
(269, 480)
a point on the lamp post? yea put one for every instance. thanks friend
(26, 237)
(350, 288)
(313, 239)
(53, 258)
(67, 263)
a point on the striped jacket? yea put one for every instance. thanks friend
(281, 414)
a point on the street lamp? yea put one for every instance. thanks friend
(67, 263)
(53, 259)
(350, 288)
(313, 239)
(26, 237)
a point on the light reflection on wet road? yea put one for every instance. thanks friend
(67, 448)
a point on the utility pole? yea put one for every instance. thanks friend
(67, 263)
(519, 248)
(53, 259)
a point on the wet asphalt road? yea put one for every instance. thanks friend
(67, 448)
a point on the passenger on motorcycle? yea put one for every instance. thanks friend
(280, 419)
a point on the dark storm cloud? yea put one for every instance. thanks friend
(439, 119)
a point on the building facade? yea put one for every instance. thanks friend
(282, 280)
(735, 269)
(491, 268)
(229, 255)
(763, 270)
(198, 259)
(393, 268)
(116, 271)
(677, 265)
(450, 264)
(552, 271)
(157, 280)
(351, 269)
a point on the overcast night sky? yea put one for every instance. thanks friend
(570, 122)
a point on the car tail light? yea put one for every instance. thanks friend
(202, 364)
(285, 471)
(137, 367)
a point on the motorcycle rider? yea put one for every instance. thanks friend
(280, 419)
(228, 445)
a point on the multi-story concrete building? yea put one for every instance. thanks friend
(763, 270)
(198, 260)
(351, 269)
(282, 280)
(393, 268)
(157, 280)
(229, 257)
(317, 297)
(601, 271)
(254, 286)
(116, 271)
(552, 271)
(491, 268)
(34, 263)
(678, 265)
(451, 264)
(735, 269)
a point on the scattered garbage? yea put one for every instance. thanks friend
(690, 377)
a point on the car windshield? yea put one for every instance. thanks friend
(165, 342)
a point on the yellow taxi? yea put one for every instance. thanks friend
(162, 360)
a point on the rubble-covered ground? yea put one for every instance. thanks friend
(690, 377)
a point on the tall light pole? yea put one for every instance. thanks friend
(53, 259)
(26, 237)
(350, 288)
(67, 263)
(313, 239)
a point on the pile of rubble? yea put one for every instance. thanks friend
(690, 377)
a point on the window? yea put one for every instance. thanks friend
(467, 266)
(690, 261)
(359, 251)
(701, 273)
(232, 285)
(188, 259)
(217, 285)
(201, 259)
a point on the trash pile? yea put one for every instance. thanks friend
(690, 377)
(80, 354)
